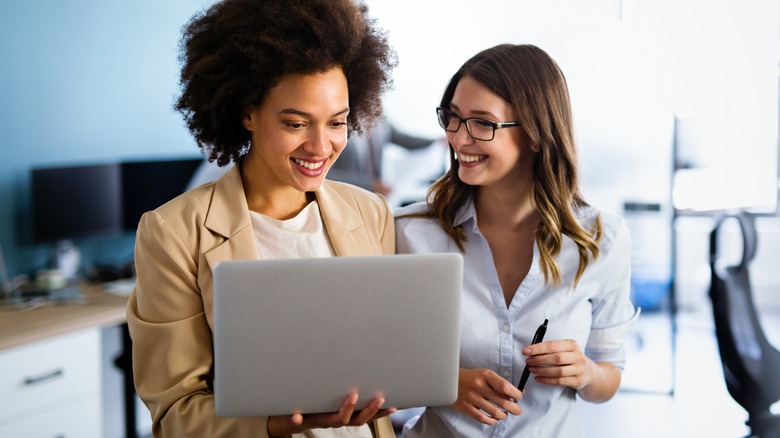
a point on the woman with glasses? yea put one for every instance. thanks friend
(533, 249)
(273, 86)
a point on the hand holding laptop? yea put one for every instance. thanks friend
(346, 416)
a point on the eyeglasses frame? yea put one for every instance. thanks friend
(464, 121)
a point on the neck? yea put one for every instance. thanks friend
(276, 201)
(508, 208)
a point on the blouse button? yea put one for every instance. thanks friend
(505, 328)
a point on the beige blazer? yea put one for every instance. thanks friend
(170, 311)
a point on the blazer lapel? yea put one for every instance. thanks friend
(228, 216)
(343, 222)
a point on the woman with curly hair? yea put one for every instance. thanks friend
(533, 250)
(274, 86)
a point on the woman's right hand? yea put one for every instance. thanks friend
(346, 416)
(485, 396)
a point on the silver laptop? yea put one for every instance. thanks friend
(300, 334)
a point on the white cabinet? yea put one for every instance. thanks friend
(51, 388)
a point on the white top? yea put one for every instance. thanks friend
(302, 236)
(598, 314)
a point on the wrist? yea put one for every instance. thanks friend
(602, 382)
(591, 375)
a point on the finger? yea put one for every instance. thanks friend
(492, 410)
(345, 413)
(545, 372)
(571, 376)
(508, 405)
(540, 348)
(479, 399)
(485, 401)
(384, 413)
(493, 394)
(546, 347)
(479, 415)
(295, 419)
(505, 394)
(366, 414)
(571, 382)
(556, 360)
(503, 401)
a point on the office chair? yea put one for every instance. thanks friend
(751, 365)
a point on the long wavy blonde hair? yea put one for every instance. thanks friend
(530, 80)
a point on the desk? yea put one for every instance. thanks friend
(22, 326)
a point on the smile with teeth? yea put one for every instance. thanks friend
(308, 165)
(471, 158)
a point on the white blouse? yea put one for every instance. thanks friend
(302, 236)
(598, 314)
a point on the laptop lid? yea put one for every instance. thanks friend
(300, 334)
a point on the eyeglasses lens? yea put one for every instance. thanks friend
(480, 129)
(447, 120)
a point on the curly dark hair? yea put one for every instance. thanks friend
(235, 51)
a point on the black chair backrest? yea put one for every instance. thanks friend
(751, 365)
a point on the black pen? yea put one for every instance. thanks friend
(538, 337)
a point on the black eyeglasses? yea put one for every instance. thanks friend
(478, 129)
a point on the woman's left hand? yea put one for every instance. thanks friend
(561, 363)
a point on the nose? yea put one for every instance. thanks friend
(319, 141)
(461, 136)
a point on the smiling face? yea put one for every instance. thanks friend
(298, 132)
(507, 158)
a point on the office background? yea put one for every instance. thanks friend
(659, 88)
(87, 82)
(83, 82)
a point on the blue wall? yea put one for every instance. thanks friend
(84, 81)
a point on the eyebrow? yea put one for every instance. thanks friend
(297, 112)
(477, 112)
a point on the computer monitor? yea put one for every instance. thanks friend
(75, 202)
(147, 185)
(81, 201)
